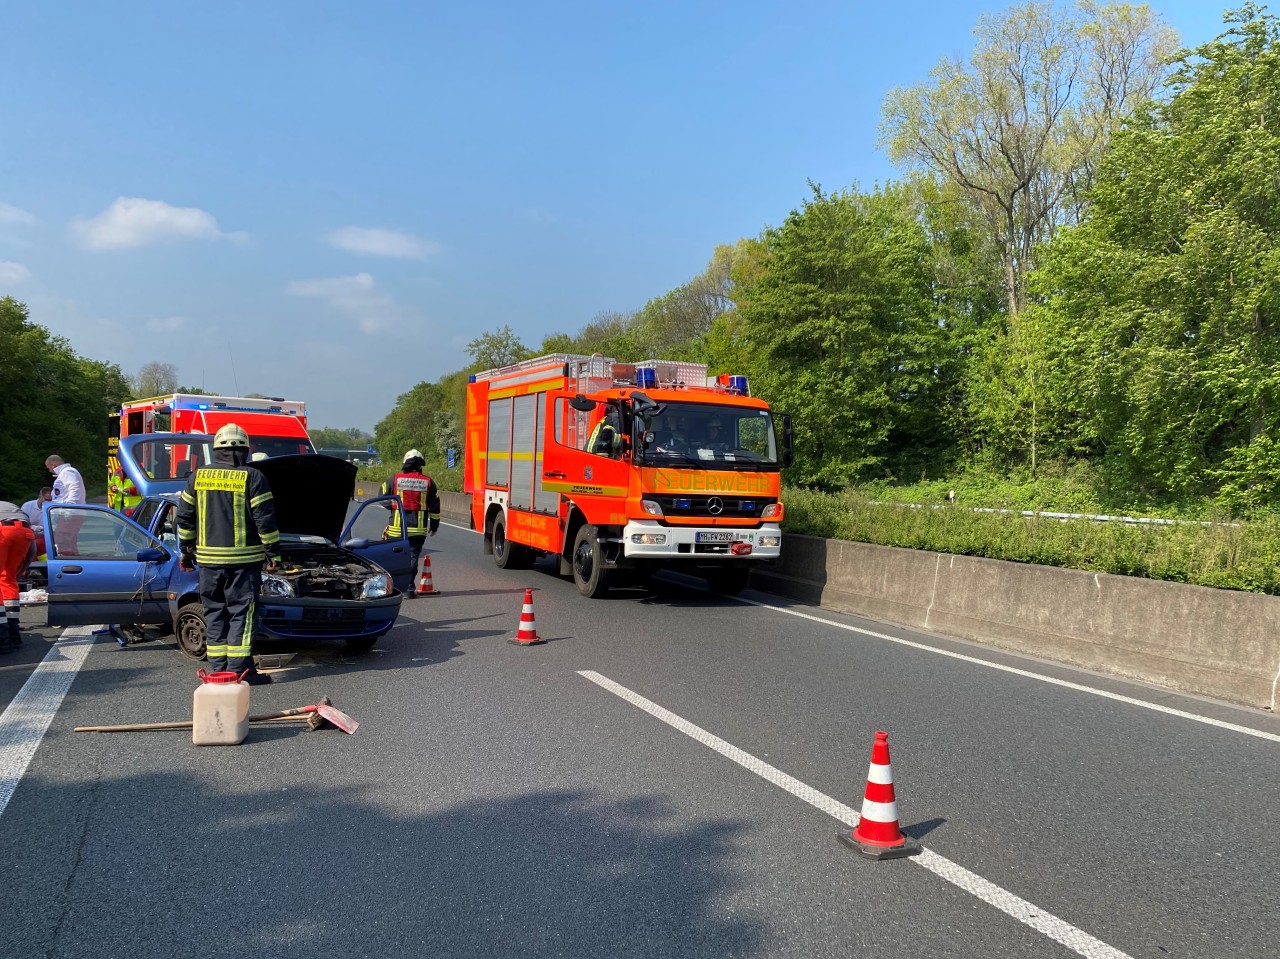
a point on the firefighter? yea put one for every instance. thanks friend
(606, 438)
(227, 525)
(421, 501)
(17, 548)
(122, 495)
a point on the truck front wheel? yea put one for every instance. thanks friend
(589, 574)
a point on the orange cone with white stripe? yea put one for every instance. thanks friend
(877, 834)
(527, 634)
(425, 587)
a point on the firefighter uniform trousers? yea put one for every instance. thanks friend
(231, 592)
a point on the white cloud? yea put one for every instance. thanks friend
(167, 324)
(380, 242)
(13, 273)
(11, 214)
(357, 296)
(133, 221)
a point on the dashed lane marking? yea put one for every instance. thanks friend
(1011, 905)
(24, 723)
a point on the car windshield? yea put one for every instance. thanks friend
(280, 445)
(707, 435)
(170, 457)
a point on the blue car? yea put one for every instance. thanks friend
(338, 580)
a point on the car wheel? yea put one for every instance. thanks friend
(589, 574)
(506, 554)
(188, 628)
(361, 644)
(728, 582)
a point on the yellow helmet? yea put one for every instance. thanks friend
(230, 436)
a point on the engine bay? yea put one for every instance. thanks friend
(321, 572)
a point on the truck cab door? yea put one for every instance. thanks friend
(596, 482)
(365, 535)
(104, 568)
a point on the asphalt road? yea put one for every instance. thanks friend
(664, 777)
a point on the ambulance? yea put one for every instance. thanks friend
(618, 470)
(276, 426)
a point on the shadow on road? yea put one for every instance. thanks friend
(320, 871)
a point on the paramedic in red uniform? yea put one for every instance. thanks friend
(421, 501)
(17, 548)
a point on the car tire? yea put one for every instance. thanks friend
(506, 554)
(589, 574)
(728, 582)
(189, 630)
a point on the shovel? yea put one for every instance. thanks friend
(317, 716)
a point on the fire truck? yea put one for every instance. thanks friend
(620, 469)
(275, 426)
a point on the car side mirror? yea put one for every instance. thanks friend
(356, 542)
(153, 554)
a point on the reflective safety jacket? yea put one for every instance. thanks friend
(421, 501)
(226, 512)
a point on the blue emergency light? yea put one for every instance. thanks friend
(647, 378)
(738, 384)
(682, 504)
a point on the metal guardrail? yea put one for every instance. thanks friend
(1062, 517)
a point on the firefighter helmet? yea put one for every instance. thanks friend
(230, 436)
(414, 455)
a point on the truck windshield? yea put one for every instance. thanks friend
(280, 445)
(709, 436)
(170, 456)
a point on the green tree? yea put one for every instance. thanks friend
(155, 379)
(1165, 303)
(1021, 127)
(54, 401)
(838, 330)
(499, 348)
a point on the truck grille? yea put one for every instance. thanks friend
(730, 507)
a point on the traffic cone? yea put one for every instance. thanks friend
(425, 588)
(527, 634)
(877, 834)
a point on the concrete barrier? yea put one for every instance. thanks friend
(1212, 642)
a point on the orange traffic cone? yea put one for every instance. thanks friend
(425, 588)
(527, 635)
(877, 834)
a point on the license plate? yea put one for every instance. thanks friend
(716, 537)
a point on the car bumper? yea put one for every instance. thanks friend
(306, 618)
(648, 539)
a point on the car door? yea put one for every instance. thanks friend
(364, 534)
(104, 568)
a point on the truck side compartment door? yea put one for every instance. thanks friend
(104, 568)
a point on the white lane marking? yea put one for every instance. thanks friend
(1064, 683)
(27, 719)
(1028, 913)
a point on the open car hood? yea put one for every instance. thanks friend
(311, 493)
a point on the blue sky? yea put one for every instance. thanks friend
(328, 201)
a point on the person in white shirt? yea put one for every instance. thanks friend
(68, 484)
(34, 508)
(68, 487)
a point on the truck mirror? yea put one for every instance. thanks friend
(582, 404)
(787, 458)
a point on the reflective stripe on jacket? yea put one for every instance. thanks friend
(421, 501)
(227, 512)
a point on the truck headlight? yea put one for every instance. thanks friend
(773, 509)
(770, 541)
(651, 507)
(649, 539)
(276, 586)
(376, 587)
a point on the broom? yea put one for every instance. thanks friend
(317, 716)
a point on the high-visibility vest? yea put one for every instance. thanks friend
(421, 499)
